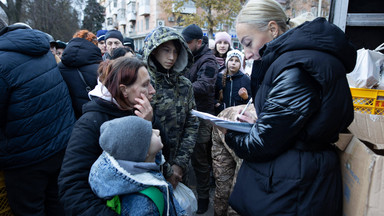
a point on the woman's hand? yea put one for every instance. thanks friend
(246, 117)
(143, 108)
(177, 175)
(243, 93)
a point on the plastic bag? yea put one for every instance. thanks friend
(367, 72)
(186, 198)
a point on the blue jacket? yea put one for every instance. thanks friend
(109, 177)
(303, 102)
(231, 95)
(80, 55)
(35, 107)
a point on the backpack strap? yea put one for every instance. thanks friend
(87, 88)
(115, 204)
(156, 196)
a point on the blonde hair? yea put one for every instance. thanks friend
(260, 12)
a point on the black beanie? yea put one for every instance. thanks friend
(114, 34)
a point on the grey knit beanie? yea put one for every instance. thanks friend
(127, 138)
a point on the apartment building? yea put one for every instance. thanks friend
(137, 18)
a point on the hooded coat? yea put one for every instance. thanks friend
(231, 95)
(83, 150)
(36, 112)
(173, 101)
(303, 102)
(110, 177)
(80, 56)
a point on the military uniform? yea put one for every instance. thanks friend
(225, 164)
(173, 101)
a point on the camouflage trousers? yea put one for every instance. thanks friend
(225, 164)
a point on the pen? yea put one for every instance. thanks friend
(246, 106)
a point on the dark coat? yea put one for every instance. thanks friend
(36, 112)
(80, 55)
(302, 101)
(203, 74)
(82, 151)
(231, 95)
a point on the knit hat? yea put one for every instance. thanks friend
(52, 41)
(129, 42)
(127, 138)
(235, 53)
(222, 36)
(191, 32)
(114, 34)
(101, 35)
(61, 44)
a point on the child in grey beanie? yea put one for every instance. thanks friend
(129, 165)
(126, 138)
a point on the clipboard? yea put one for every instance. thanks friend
(243, 127)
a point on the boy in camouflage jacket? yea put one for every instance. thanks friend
(174, 99)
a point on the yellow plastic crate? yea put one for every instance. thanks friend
(370, 101)
(5, 210)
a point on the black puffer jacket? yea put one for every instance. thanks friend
(303, 101)
(82, 151)
(36, 116)
(203, 75)
(80, 55)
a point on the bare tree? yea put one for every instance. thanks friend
(56, 17)
(13, 10)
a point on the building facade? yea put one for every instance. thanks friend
(137, 18)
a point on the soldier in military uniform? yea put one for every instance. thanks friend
(168, 57)
(225, 163)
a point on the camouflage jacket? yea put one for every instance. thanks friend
(173, 101)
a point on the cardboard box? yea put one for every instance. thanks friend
(363, 180)
(344, 140)
(369, 128)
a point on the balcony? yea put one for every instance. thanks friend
(131, 16)
(188, 8)
(144, 8)
(121, 16)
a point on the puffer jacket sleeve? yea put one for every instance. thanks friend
(3, 98)
(293, 98)
(189, 135)
(82, 151)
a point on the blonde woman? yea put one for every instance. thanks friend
(302, 101)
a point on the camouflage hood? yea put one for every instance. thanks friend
(161, 35)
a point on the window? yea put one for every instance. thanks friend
(146, 23)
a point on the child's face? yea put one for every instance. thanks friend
(156, 144)
(234, 64)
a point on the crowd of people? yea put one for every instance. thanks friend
(91, 127)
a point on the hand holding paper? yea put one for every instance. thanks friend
(232, 125)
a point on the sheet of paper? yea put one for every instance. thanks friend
(243, 127)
